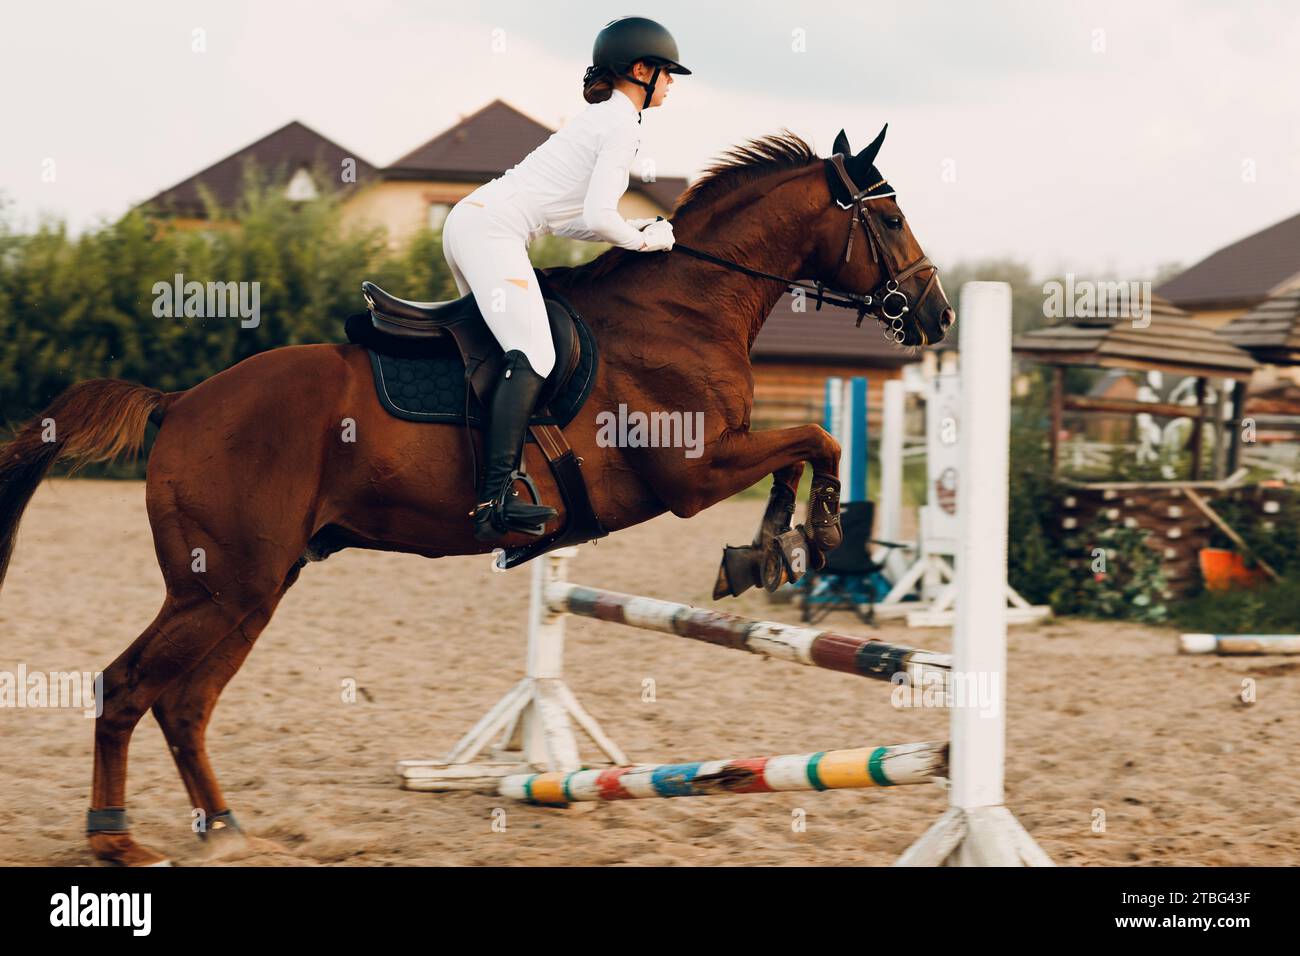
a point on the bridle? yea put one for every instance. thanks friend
(887, 303)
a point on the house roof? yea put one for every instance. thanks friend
(1173, 342)
(1242, 274)
(825, 336)
(1270, 331)
(491, 140)
(283, 152)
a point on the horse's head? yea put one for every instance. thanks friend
(868, 249)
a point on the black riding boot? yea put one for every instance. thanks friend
(500, 511)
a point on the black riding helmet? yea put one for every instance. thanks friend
(624, 41)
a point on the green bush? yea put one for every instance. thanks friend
(81, 307)
(1064, 570)
(1035, 567)
(1271, 609)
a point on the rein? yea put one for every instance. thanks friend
(887, 303)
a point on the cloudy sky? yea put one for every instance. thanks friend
(1090, 137)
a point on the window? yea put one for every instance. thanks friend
(438, 214)
(301, 188)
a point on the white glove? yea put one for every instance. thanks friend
(658, 236)
(639, 224)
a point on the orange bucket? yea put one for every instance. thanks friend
(1225, 570)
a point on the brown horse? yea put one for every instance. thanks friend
(289, 456)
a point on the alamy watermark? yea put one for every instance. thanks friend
(624, 429)
(981, 692)
(212, 300)
(1085, 299)
(52, 690)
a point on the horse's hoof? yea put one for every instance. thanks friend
(119, 849)
(222, 843)
(740, 570)
(797, 553)
(222, 835)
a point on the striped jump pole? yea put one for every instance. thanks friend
(845, 653)
(1246, 645)
(828, 770)
(531, 729)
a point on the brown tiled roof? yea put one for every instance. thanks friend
(281, 153)
(1173, 342)
(825, 336)
(486, 143)
(1270, 331)
(1242, 274)
(482, 145)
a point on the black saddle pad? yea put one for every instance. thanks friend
(431, 387)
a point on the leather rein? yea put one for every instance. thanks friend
(887, 303)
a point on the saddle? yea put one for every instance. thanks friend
(430, 357)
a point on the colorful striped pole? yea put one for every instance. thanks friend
(1227, 645)
(863, 656)
(827, 770)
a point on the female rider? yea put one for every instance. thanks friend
(570, 187)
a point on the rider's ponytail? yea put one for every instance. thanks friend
(597, 84)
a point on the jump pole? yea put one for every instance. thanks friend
(828, 770)
(1243, 645)
(978, 830)
(531, 728)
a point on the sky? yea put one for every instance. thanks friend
(1103, 138)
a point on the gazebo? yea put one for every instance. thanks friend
(1177, 515)
(1270, 332)
(1173, 343)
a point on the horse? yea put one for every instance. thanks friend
(288, 456)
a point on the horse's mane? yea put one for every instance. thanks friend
(737, 167)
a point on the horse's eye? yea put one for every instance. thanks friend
(894, 222)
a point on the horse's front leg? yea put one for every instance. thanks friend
(740, 458)
(762, 562)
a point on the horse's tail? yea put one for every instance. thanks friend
(92, 421)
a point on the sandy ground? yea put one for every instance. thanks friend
(1119, 751)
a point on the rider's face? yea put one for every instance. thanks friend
(643, 72)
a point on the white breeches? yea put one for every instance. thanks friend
(485, 241)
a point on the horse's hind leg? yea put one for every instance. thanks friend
(185, 707)
(183, 634)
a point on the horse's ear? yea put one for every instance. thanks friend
(842, 145)
(868, 156)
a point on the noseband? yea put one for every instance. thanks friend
(887, 303)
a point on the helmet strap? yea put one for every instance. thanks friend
(649, 87)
